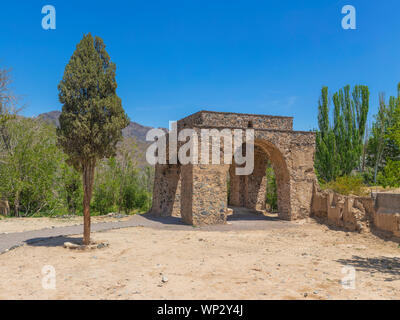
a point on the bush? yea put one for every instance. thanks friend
(104, 199)
(390, 176)
(347, 185)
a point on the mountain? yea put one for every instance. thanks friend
(133, 130)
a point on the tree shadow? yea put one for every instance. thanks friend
(241, 213)
(384, 265)
(52, 241)
(164, 220)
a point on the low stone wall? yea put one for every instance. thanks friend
(387, 212)
(355, 213)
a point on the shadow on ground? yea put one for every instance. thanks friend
(52, 241)
(384, 265)
(164, 220)
(239, 214)
(250, 215)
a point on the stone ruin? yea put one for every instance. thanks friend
(198, 193)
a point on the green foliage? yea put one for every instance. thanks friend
(120, 187)
(394, 130)
(72, 191)
(347, 185)
(381, 147)
(339, 146)
(390, 175)
(326, 157)
(36, 180)
(271, 192)
(92, 116)
(30, 162)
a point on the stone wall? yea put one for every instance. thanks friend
(167, 190)
(355, 213)
(236, 120)
(387, 212)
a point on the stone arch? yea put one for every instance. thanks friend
(198, 192)
(282, 176)
(249, 191)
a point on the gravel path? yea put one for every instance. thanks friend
(239, 221)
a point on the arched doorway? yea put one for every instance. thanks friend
(250, 191)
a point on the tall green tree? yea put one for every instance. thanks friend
(340, 144)
(326, 158)
(394, 130)
(92, 116)
(381, 148)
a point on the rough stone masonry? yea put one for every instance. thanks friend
(198, 193)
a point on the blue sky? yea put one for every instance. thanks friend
(178, 57)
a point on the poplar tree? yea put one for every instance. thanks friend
(92, 116)
(339, 146)
(326, 158)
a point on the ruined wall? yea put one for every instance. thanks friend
(357, 213)
(350, 212)
(387, 212)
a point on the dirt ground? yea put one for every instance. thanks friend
(304, 261)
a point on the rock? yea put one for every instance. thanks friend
(70, 245)
(164, 279)
(102, 245)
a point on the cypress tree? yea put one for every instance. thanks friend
(92, 116)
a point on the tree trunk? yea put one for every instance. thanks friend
(16, 204)
(88, 179)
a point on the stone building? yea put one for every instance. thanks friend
(198, 193)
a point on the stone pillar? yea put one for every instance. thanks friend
(234, 184)
(256, 183)
(167, 190)
(204, 194)
(302, 179)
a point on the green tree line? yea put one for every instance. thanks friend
(36, 180)
(347, 149)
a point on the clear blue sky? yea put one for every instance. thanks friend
(177, 57)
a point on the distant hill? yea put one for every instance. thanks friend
(133, 130)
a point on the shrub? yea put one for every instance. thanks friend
(347, 185)
(390, 176)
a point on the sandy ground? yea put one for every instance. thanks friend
(9, 225)
(301, 262)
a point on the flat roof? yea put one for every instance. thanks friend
(242, 114)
